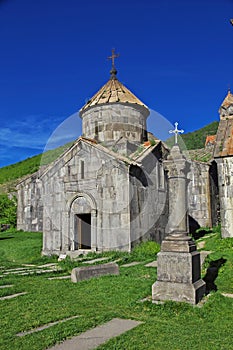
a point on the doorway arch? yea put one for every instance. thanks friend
(82, 217)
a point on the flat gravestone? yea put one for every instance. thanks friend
(134, 263)
(87, 272)
(94, 337)
(228, 295)
(6, 286)
(12, 296)
(59, 278)
(94, 260)
(152, 264)
(41, 328)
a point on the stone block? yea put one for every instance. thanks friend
(179, 267)
(180, 292)
(178, 272)
(85, 273)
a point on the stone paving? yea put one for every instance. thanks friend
(92, 338)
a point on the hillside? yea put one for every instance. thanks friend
(196, 139)
(11, 173)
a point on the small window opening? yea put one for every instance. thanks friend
(82, 169)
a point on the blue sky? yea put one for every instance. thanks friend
(175, 55)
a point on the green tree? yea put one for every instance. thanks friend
(8, 210)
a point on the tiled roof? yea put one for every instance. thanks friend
(200, 155)
(113, 91)
(224, 140)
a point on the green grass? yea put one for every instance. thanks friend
(172, 326)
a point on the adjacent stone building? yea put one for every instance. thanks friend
(109, 190)
(223, 155)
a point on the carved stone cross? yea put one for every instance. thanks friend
(176, 132)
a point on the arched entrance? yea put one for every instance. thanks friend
(83, 223)
(82, 231)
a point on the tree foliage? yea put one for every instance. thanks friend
(8, 210)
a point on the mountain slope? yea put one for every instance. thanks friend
(10, 174)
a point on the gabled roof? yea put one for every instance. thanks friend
(112, 92)
(228, 100)
(224, 139)
(127, 161)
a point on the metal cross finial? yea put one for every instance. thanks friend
(176, 132)
(114, 55)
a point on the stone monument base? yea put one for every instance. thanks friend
(178, 271)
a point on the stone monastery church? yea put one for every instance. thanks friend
(109, 190)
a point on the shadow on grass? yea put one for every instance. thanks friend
(3, 238)
(212, 274)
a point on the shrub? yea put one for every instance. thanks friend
(8, 210)
(146, 250)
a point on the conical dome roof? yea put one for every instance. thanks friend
(112, 92)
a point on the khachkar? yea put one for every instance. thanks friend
(178, 269)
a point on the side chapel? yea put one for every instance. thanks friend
(109, 190)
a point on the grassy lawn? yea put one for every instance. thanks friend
(170, 326)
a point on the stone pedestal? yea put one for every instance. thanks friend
(178, 272)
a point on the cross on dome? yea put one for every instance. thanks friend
(113, 71)
(176, 132)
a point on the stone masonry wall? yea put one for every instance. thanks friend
(225, 178)
(30, 205)
(199, 196)
(108, 123)
(148, 200)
